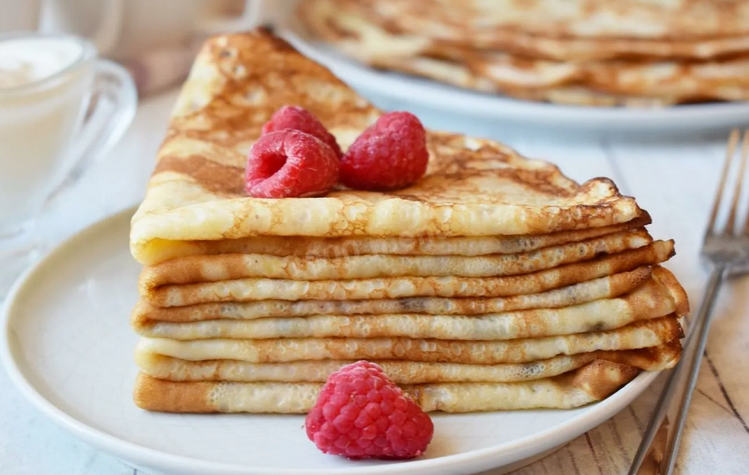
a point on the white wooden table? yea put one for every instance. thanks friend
(673, 180)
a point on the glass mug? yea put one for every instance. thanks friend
(128, 29)
(61, 108)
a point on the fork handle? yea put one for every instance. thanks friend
(657, 451)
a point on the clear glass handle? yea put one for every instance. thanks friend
(111, 109)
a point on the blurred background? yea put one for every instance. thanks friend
(155, 40)
(579, 65)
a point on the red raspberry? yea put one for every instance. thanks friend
(390, 154)
(360, 413)
(290, 163)
(298, 118)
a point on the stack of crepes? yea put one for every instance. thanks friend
(591, 52)
(494, 283)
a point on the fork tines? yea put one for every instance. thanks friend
(735, 162)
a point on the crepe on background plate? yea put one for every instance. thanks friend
(635, 54)
(569, 30)
(684, 20)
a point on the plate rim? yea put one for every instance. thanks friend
(527, 446)
(424, 91)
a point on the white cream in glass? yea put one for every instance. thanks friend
(47, 84)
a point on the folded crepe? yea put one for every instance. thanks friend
(365, 246)
(359, 32)
(640, 334)
(240, 290)
(585, 385)
(652, 300)
(196, 269)
(401, 372)
(569, 30)
(602, 288)
(472, 187)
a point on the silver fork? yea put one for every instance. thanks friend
(726, 251)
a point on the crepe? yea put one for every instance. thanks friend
(364, 246)
(401, 372)
(196, 269)
(585, 385)
(640, 334)
(675, 19)
(636, 84)
(472, 187)
(604, 287)
(679, 81)
(399, 287)
(577, 30)
(461, 75)
(593, 82)
(653, 299)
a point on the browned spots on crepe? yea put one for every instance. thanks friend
(166, 396)
(240, 80)
(213, 176)
(677, 293)
(600, 378)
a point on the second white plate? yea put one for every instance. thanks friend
(67, 344)
(503, 110)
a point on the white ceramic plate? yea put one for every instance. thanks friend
(506, 111)
(67, 345)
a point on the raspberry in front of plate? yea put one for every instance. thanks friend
(360, 413)
(298, 118)
(390, 154)
(289, 164)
